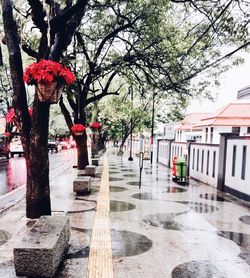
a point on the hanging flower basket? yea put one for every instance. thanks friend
(95, 126)
(50, 78)
(50, 92)
(78, 129)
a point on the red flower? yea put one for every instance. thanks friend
(47, 71)
(95, 125)
(10, 115)
(78, 128)
(7, 134)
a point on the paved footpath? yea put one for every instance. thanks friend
(163, 229)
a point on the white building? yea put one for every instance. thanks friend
(234, 117)
(187, 130)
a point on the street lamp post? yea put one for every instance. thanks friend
(131, 127)
(152, 129)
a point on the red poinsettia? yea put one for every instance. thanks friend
(7, 134)
(78, 128)
(10, 115)
(95, 125)
(47, 71)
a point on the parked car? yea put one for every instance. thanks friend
(4, 149)
(64, 145)
(16, 147)
(53, 146)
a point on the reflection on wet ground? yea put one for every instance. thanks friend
(241, 239)
(136, 183)
(162, 220)
(76, 253)
(126, 243)
(127, 170)
(115, 179)
(197, 269)
(117, 189)
(245, 219)
(130, 175)
(200, 207)
(113, 172)
(120, 206)
(12, 174)
(213, 197)
(4, 237)
(173, 189)
(144, 196)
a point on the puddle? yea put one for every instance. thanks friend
(130, 175)
(200, 207)
(113, 172)
(173, 189)
(197, 269)
(4, 237)
(125, 243)
(213, 197)
(245, 219)
(117, 189)
(121, 206)
(127, 170)
(144, 196)
(135, 183)
(77, 253)
(241, 239)
(115, 179)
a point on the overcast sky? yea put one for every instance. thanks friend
(232, 81)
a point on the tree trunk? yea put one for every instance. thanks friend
(37, 190)
(82, 151)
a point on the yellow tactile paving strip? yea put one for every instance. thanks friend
(100, 255)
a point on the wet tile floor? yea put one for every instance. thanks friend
(195, 230)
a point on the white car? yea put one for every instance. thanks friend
(16, 147)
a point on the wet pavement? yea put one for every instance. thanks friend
(162, 229)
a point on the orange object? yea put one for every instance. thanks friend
(174, 166)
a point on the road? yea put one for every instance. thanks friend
(13, 171)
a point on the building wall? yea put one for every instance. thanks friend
(237, 174)
(204, 163)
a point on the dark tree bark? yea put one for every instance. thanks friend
(34, 132)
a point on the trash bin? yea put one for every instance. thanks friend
(181, 170)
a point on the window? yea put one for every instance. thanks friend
(234, 160)
(244, 158)
(211, 135)
(202, 161)
(248, 129)
(236, 129)
(206, 135)
(193, 158)
(198, 157)
(214, 159)
(207, 162)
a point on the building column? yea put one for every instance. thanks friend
(222, 159)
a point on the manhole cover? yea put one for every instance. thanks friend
(213, 197)
(245, 219)
(200, 207)
(121, 206)
(115, 179)
(197, 269)
(173, 189)
(4, 237)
